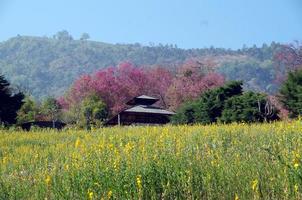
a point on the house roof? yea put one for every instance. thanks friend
(146, 97)
(142, 112)
(142, 100)
(148, 109)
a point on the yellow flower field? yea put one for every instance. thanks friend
(237, 161)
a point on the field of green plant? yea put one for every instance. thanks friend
(237, 161)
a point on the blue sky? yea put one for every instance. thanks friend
(186, 23)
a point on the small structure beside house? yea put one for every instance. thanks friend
(43, 124)
(142, 112)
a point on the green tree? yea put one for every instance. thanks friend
(85, 36)
(209, 106)
(9, 103)
(185, 114)
(291, 93)
(93, 110)
(28, 112)
(51, 109)
(248, 107)
(63, 35)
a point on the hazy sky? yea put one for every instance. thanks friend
(187, 23)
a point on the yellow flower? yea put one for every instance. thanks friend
(4, 160)
(139, 182)
(296, 187)
(109, 195)
(47, 180)
(236, 197)
(254, 185)
(77, 143)
(115, 165)
(110, 146)
(296, 160)
(90, 195)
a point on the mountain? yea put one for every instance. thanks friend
(46, 66)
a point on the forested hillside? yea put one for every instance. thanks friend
(44, 66)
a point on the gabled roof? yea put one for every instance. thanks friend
(149, 109)
(146, 97)
(142, 100)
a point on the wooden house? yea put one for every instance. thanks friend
(141, 112)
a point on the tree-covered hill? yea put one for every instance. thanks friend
(48, 65)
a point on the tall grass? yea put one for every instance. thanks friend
(237, 161)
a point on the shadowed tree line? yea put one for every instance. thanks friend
(10, 103)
